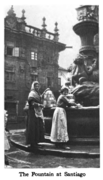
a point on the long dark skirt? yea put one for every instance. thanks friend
(35, 129)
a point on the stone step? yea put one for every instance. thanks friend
(47, 148)
(72, 140)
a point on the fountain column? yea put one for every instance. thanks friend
(87, 28)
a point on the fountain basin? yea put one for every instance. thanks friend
(82, 123)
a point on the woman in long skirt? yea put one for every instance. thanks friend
(59, 132)
(35, 126)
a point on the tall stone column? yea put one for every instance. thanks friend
(85, 70)
(87, 28)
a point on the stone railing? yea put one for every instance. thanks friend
(32, 30)
(41, 33)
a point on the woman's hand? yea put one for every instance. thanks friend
(79, 106)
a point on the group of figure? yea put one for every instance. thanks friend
(85, 89)
(35, 121)
(35, 124)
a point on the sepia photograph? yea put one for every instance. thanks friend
(51, 89)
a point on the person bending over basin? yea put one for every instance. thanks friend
(59, 134)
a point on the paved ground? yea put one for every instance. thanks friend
(21, 159)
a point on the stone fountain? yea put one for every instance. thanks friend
(85, 68)
(84, 122)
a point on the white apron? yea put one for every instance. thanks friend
(59, 126)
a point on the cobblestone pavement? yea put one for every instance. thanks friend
(21, 159)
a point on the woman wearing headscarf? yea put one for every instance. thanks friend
(59, 134)
(35, 126)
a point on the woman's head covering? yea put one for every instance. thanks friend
(63, 88)
(33, 85)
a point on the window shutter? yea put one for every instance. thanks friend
(16, 52)
(35, 56)
(32, 55)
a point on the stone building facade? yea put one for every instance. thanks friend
(30, 54)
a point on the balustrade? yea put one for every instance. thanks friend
(41, 33)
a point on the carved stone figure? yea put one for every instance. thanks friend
(85, 66)
(85, 79)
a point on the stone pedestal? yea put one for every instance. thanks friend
(87, 28)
